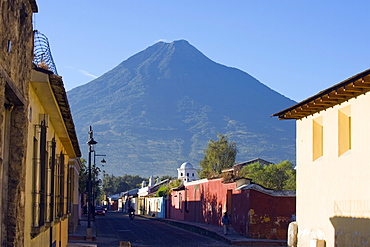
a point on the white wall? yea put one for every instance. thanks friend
(333, 198)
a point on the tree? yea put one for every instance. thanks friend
(167, 188)
(219, 155)
(281, 176)
(83, 175)
(95, 182)
(114, 185)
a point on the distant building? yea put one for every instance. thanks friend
(249, 162)
(186, 172)
(333, 140)
(146, 202)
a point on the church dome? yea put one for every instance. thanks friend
(186, 165)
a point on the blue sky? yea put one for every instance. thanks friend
(295, 47)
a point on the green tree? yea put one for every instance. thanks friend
(167, 188)
(110, 186)
(219, 155)
(95, 182)
(83, 175)
(281, 176)
(114, 185)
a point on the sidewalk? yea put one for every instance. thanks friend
(216, 232)
(78, 238)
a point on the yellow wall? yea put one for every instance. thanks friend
(333, 199)
(59, 228)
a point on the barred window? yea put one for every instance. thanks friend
(60, 185)
(70, 190)
(51, 182)
(39, 174)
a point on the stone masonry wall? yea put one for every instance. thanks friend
(15, 66)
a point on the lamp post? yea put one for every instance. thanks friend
(91, 144)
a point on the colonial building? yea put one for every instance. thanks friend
(52, 163)
(39, 153)
(256, 212)
(186, 172)
(333, 140)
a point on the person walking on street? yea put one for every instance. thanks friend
(225, 222)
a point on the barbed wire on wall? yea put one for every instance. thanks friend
(42, 53)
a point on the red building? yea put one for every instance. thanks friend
(256, 212)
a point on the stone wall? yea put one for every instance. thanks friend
(16, 57)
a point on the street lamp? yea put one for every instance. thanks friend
(102, 161)
(91, 144)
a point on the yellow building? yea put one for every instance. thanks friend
(52, 163)
(333, 157)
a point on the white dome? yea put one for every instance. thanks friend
(186, 165)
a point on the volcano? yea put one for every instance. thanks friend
(160, 107)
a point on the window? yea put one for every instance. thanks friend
(70, 190)
(317, 138)
(51, 186)
(344, 130)
(43, 178)
(35, 196)
(39, 173)
(60, 186)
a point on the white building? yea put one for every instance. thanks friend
(186, 172)
(333, 140)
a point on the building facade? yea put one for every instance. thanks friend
(255, 212)
(52, 163)
(187, 172)
(333, 138)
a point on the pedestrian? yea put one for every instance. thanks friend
(293, 217)
(226, 222)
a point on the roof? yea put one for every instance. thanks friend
(264, 190)
(186, 165)
(335, 95)
(262, 161)
(60, 95)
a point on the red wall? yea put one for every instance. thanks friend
(253, 214)
(204, 202)
(268, 216)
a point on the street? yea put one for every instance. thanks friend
(116, 227)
